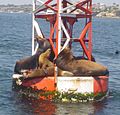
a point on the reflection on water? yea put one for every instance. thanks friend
(41, 107)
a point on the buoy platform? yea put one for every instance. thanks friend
(61, 16)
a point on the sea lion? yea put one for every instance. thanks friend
(46, 67)
(44, 61)
(33, 61)
(41, 72)
(67, 62)
(26, 63)
(44, 44)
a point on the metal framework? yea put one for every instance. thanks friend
(62, 15)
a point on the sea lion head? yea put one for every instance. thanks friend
(63, 58)
(43, 43)
(45, 55)
(65, 54)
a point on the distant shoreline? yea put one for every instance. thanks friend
(99, 10)
(31, 14)
(107, 17)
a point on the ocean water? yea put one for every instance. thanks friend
(15, 43)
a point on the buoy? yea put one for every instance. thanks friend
(51, 80)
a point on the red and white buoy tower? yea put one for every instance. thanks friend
(62, 15)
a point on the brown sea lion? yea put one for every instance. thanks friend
(40, 72)
(44, 61)
(33, 61)
(66, 61)
(46, 67)
(44, 44)
(26, 64)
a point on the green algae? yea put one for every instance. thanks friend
(56, 96)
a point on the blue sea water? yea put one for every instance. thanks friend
(15, 43)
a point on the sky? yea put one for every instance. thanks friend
(18, 2)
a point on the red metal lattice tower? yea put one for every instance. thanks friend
(62, 15)
(62, 19)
